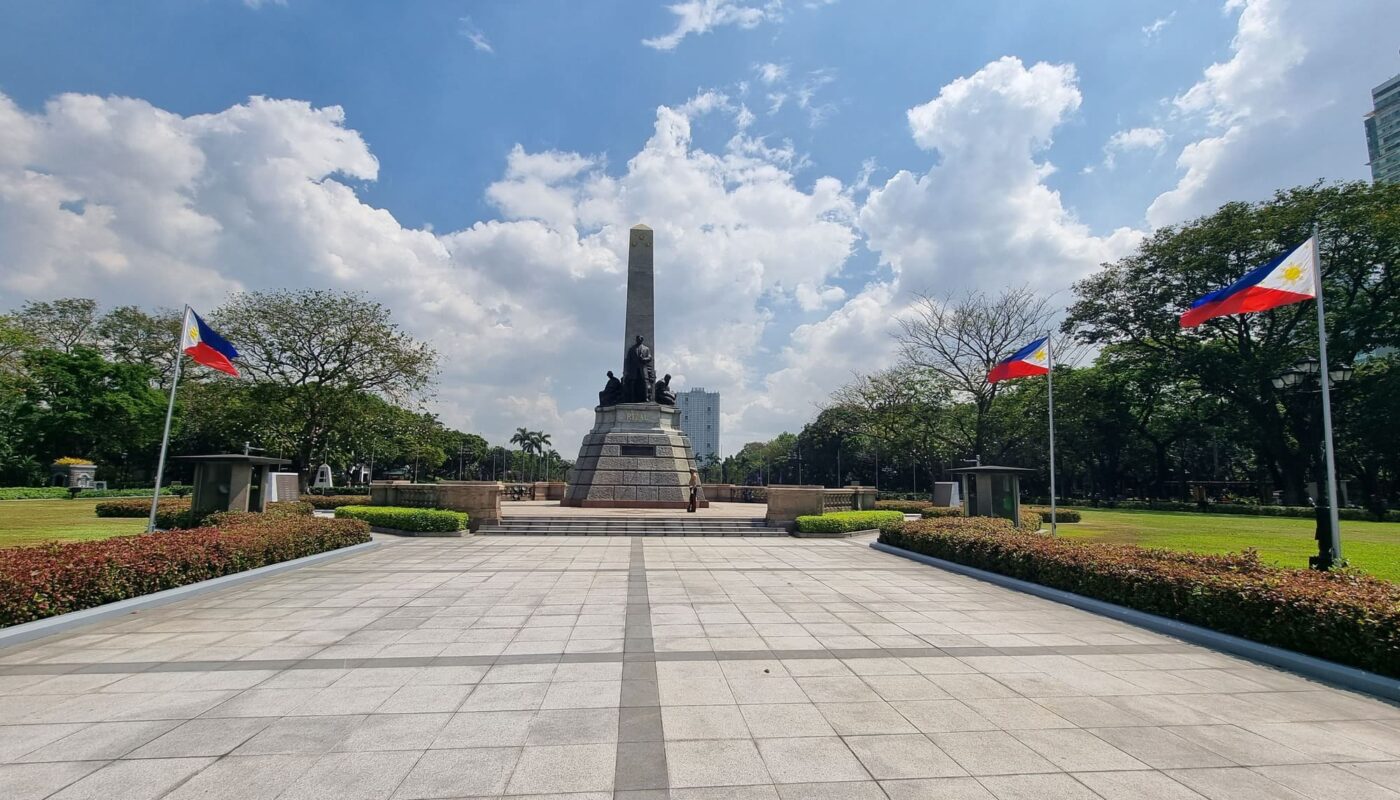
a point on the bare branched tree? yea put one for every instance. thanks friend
(961, 338)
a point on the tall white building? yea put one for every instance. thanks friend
(700, 421)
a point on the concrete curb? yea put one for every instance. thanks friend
(839, 535)
(27, 631)
(419, 534)
(1317, 668)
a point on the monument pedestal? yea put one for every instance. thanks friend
(636, 456)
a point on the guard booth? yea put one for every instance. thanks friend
(991, 491)
(231, 482)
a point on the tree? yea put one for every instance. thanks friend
(61, 325)
(1134, 304)
(315, 354)
(133, 336)
(960, 339)
(79, 404)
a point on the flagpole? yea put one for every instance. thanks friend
(1050, 385)
(169, 412)
(1326, 380)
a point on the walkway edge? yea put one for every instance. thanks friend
(1309, 666)
(48, 626)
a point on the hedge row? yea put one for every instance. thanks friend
(1062, 514)
(941, 511)
(417, 520)
(1240, 509)
(56, 578)
(1341, 616)
(332, 501)
(62, 493)
(847, 521)
(905, 506)
(175, 512)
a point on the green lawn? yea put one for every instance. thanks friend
(33, 521)
(1371, 546)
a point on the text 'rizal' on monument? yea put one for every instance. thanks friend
(636, 456)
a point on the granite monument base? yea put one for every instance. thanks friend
(635, 457)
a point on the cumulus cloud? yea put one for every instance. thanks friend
(1286, 107)
(983, 216)
(136, 204)
(1132, 139)
(771, 73)
(702, 16)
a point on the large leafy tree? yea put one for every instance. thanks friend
(78, 403)
(314, 355)
(1134, 305)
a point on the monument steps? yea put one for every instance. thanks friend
(630, 526)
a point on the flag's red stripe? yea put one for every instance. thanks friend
(211, 358)
(1014, 369)
(1254, 298)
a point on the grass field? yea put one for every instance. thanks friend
(33, 521)
(1370, 546)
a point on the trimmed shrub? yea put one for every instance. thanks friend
(1239, 509)
(334, 501)
(1341, 616)
(56, 578)
(1030, 520)
(62, 493)
(933, 512)
(905, 506)
(290, 508)
(71, 461)
(417, 520)
(1062, 514)
(140, 507)
(847, 521)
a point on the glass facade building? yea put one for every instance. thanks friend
(700, 421)
(1383, 132)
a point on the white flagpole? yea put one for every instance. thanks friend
(1050, 385)
(1326, 380)
(169, 412)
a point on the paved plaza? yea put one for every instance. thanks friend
(647, 668)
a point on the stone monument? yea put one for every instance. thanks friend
(636, 456)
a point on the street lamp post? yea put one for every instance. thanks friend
(1305, 378)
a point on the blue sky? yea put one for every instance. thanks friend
(808, 165)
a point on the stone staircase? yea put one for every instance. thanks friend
(630, 526)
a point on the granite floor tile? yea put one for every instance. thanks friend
(715, 762)
(353, 776)
(990, 753)
(936, 789)
(811, 760)
(1135, 785)
(139, 779)
(902, 756)
(37, 781)
(476, 772)
(378, 732)
(564, 768)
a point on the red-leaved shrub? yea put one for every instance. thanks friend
(55, 578)
(332, 501)
(1341, 616)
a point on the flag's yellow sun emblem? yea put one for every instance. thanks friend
(1039, 355)
(1292, 273)
(194, 333)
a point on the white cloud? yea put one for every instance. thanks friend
(771, 73)
(136, 204)
(1286, 107)
(983, 217)
(1153, 29)
(1132, 139)
(702, 16)
(256, 4)
(467, 28)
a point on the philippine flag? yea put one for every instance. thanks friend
(1033, 359)
(1287, 279)
(201, 343)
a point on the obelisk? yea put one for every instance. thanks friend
(641, 290)
(636, 455)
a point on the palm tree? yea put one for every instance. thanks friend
(541, 443)
(525, 438)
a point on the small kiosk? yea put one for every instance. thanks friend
(231, 482)
(991, 491)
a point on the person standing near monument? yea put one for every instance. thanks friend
(694, 491)
(638, 373)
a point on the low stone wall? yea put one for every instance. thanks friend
(787, 503)
(480, 499)
(549, 490)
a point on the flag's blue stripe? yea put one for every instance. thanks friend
(213, 339)
(1251, 278)
(1025, 351)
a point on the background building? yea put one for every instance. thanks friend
(1383, 132)
(700, 421)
